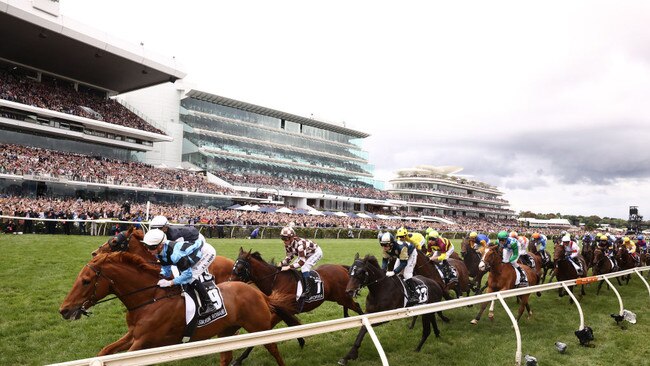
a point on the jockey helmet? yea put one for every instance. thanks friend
(536, 236)
(157, 222)
(153, 238)
(602, 237)
(433, 235)
(566, 238)
(288, 232)
(429, 229)
(502, 235)
(401, 232)
(640, 237)
(626, 239)
(386, 239)
(513, 234)
(473, 234)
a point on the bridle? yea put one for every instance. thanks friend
(120, 242)
(243, 265)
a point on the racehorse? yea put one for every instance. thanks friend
(625, 261)
(250, 267)
(424, 267)
(545, 265)
(472, 258)
(501, 277)
(386, 293)
(601, 265)
(587, 252)
(156, 316)
(564, 269)
(131, 241)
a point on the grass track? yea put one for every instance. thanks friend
(37, 271)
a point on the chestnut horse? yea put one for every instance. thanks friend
(251, 267)
(501, 277)
(131, 241)
(564, 270)
(424, 267)
(156, 316)
(386, 293)
(472, 258)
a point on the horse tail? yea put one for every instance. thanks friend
(283, 304)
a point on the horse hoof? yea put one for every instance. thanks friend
(491, 316)
(474, 321)
(343, 362)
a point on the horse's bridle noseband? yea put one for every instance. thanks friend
(245, 268)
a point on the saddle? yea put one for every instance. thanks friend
(315, 288)
(522, 279)
(416, 291)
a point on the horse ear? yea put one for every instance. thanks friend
(356, 256)
(241, 250)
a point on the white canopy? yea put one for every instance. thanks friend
(315, 213)
(339, 214)
(284, 210)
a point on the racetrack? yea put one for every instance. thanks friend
(38, 270)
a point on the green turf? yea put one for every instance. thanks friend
(37, 272)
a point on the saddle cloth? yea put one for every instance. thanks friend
(518, 282)
(317, 291)
(192, 318)
(420, 289)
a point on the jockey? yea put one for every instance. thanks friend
(641, 244)
(176, 233)
(191, 258)
(479, 241)
(523, 251)
(414, 238)
(587, 239)
(308, 254)
(572, 250)
(540, 243)
(441, 249)
(631, 248)
(405, 255)
(510, 248)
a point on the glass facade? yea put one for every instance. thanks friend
(243, 142)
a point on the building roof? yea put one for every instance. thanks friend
(52, 43)
(196, 94)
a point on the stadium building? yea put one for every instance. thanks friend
(432, 191)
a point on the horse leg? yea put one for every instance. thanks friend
(120, 345)
(530, 312)
(354, 351)
(242, 357)
(426, 330)
(522, 306)
(480, 312)
(413, 322)
(442, 317)
(618, 279)
(582, 291)
(599, 286)
(345, 312)
(273, 350)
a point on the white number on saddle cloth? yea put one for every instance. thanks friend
(215, 297)
(423, 293)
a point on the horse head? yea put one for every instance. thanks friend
(558, 252)
(362, 272)
(465, 247)
(105, 274)
(129, 241)
(599, 255)
(491, 258)
(241, 270)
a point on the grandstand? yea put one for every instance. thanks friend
(430, 190)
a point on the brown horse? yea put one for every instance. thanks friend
(545, 262)
(387, 293)
(564, 270)
(424, 267)
(131, 242)
(502, 277)
(602, 265)
(587, 252)
(156, 316)
(472, 258)
(251, 267)
(626, 261)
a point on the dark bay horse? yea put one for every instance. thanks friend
(502, 276)
(252, 267)
(472, 258)
(131, 242)
(625, 261)
(587, 252)
(564, 269)
(601, 264)
(546, 262)
(424, 267)
(386, 293)
(156, 316)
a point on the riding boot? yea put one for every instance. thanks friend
(446, 269)
(413, 296)
(207, 306)
(305, 284)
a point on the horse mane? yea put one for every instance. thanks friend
(129, 259)
(369, 258)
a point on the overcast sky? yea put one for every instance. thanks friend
(546, 100)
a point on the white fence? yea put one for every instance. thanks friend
(211, 346)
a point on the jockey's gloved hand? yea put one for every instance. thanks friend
(285, 268)
(165, 283)
(390, 274)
